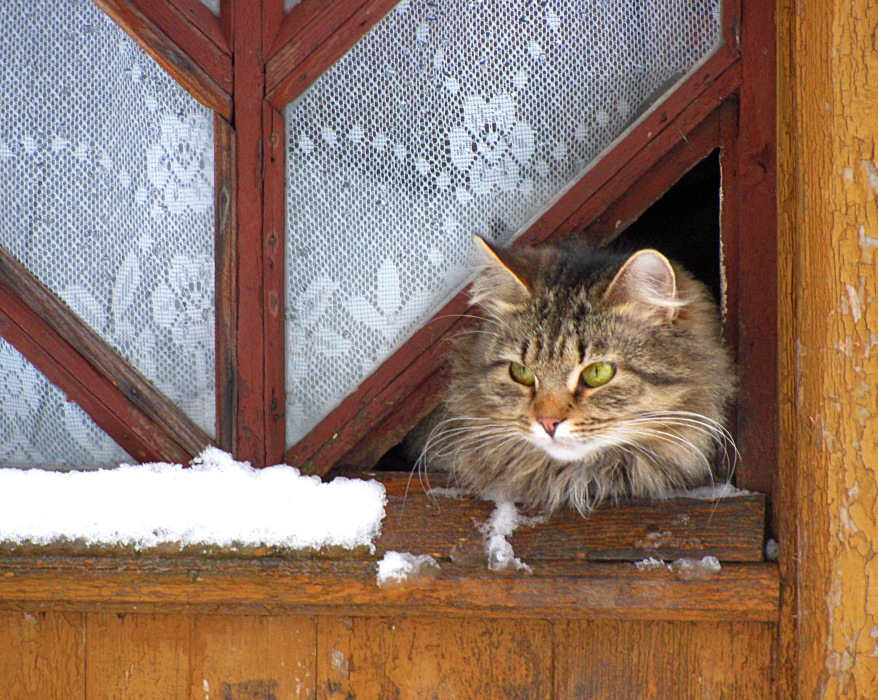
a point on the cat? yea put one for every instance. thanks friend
(591, 375)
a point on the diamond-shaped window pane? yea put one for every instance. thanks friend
(107, 170)
(40, 428)
(448, 119)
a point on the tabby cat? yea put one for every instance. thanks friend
(591, 375)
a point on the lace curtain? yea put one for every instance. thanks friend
(107, 165)
(451, 117)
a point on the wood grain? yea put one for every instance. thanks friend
(828, 238)
(42, 655)
(609, 659)
(433, 658)
(249, 657)
(137, 656)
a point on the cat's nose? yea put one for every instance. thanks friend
(549, 425)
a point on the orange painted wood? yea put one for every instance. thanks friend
(42, 655)
(376, 400)
(184, 52)
(434, 658)
(745, 592)
(137, 655)
(252, 657)
(609, 659)
(121, 402)
(301, 60)
(204, 20)
(827, 494)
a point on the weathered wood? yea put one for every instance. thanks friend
(290, 72)
(62, 365)
(243, 657)
(304, 28)
(56, 336)
(137, 656)
(226, 258)
(42, 655)
(205, 21)
(745, 592)
(749, 217)
(376, 400)
(433, 658)
(251, 419)
(274, 283)
(187, 55)
(609, 659)
(828, 238)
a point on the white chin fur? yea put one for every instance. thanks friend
(563, 446)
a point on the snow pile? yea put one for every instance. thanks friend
(401, 567)
(504, 521)
(649, 564)
(217, 502)
(685, 568)
(715, 492)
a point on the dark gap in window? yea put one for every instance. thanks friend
(683, 225)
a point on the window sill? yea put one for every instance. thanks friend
(581, 568)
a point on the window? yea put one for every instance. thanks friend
(258, 261)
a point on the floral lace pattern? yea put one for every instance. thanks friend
(40, 428)
(107, 166)
(451, 118)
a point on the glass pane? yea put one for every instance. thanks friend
(290, 4)
(449, 119)
(40, 428)
(212, 5)
(107, 165)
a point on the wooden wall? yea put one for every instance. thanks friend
(67, 655)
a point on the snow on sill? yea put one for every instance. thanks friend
(218, 502)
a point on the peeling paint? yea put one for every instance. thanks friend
(871, 173)
(855, 302)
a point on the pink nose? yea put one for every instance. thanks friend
(549, 425)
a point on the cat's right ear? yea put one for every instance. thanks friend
(503, 281)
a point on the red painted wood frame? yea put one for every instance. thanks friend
(247, 65)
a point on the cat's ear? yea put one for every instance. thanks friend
(503, 281)
(646, 281)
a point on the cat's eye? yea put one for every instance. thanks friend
(598, 373)
(521, 374)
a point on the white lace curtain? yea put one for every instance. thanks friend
(450, 118)
(107, 170)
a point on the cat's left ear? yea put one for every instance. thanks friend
(503, 281)
(648, 282)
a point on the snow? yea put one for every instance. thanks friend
(715, 492)
(685, 568)
(219, 501)
(649, 564)
(503, 522)
(401, 567)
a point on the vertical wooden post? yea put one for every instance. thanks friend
(828, 243)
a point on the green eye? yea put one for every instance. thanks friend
(598, 373)
(521, 374)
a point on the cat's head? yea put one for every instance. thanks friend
(584, 354)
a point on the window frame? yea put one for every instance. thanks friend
(728, 103)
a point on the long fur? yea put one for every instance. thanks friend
(657, 426)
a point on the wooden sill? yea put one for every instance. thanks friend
(581, 567)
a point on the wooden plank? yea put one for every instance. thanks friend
(94, 392)
(750, 192)
(610, 659)
(47, 319)
(273, 586)
(137, 656)
(251, 420)
(238, 657)
(226, 248)
(827, 236)
(205, 74)
(435, 658)
(205, 21)
(42, 655)
(300, 62)
(378, 396)
(304, 28)
(274, 283)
